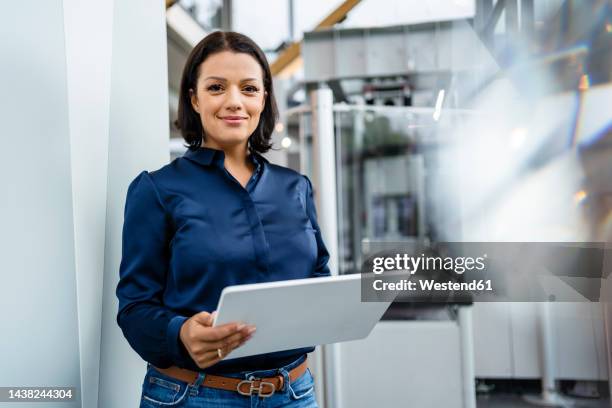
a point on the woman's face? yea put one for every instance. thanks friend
(229, 98)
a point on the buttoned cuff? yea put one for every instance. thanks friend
(175, 345)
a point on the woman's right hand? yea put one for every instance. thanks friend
(208, 345)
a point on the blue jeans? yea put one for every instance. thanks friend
(159, 390)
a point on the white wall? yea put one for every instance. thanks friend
(38, 307)
(73, 139)
(88, 30)
(403, 364)
(138, 140)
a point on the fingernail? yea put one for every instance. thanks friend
(241, 326)
(252, 330)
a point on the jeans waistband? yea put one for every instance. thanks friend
(261, 373)
(271, 372)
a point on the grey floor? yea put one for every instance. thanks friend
(515, 401)
(509, 393)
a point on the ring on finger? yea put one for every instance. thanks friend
(220, 353)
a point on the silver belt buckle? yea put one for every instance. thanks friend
(261, 391)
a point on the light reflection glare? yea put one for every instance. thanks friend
(580, 196)
(286, 142)
(536, 163)
(584, 83)
(518, 136)
(438, 108)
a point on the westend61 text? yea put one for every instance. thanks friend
(432, 285)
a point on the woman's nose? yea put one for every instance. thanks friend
(233, 101)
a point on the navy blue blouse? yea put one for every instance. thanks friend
(190, 229)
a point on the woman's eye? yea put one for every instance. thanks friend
(250, 88)
(214, 88)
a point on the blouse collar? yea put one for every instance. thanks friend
(207, 157)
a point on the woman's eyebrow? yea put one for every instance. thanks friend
(216, 78)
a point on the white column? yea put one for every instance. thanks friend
(324, 170)
(607, 315)
(549, 397)
(606, 304)
(466, 339)
(324, 181)
(138, 140)
(88, 27)
(38, 304)
(61, 225)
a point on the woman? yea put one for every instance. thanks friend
(220, 215)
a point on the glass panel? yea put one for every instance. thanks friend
(387, 161)
(299, 129)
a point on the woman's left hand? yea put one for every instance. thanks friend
(208, 345)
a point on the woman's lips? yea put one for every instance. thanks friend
(233, 120)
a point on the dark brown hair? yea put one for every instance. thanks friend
(189, 122)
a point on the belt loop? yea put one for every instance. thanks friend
(195, 387)
(196, 384)
(285, 374)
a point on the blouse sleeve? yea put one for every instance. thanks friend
(149, 327)
(321, 268)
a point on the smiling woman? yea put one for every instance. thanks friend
(220, 215)
(229, 98)
(227, 76)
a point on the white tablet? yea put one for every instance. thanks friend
(299, 313)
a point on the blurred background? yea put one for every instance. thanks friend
(418, 122)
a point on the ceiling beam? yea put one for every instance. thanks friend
(289, 59)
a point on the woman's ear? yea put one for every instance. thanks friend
(194, 101)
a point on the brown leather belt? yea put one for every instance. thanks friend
(264, 387)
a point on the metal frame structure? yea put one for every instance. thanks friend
(488, 14)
